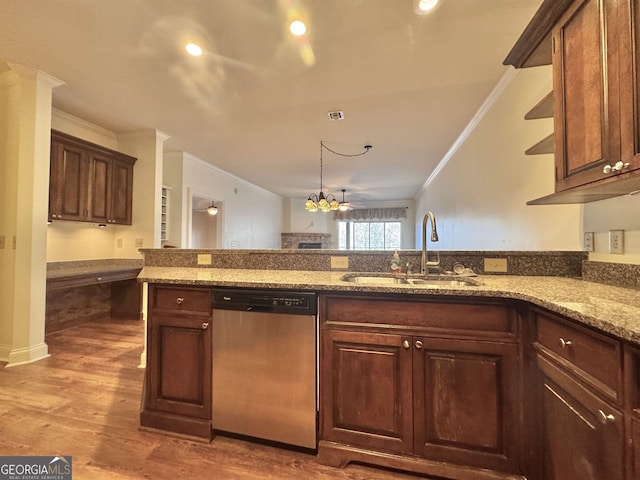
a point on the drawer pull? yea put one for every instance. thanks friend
(604, 418)
(565, 343)
(406, 344)
(179, 300)
(418, 344)
(205, 325)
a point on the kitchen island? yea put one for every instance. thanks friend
(455, 381)
(613, 310)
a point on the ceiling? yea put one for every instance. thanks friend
(255, 103)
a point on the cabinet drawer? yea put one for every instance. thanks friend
(474, 319)
(595, 355)
(180, 299)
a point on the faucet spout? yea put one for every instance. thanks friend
(425, 263)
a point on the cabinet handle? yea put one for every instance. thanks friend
(179, 300)
(565, 343)
(604, 418)
(406, 344)
(418, 344)
(205, 325)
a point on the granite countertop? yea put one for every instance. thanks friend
(56, 270)
(614, 310)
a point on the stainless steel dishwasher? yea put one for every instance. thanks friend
(264, 364)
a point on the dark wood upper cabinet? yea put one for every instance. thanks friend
(88, 182)
(594, 53)
(67, 188)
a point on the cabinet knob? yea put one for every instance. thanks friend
(99, 279)
(406, 344)
(418, 344)
(604, 418)
(618, 167)
(565, 343)
(205, 325)
(179, 300)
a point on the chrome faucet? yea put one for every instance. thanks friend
(425, 263)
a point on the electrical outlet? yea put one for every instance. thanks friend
(118, 243)
(616, 241)
(496, 265)
(15, 242)
(341, 263)
(204, 259)
(139, 242)
(588, 241)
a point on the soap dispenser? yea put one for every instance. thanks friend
(395, 263)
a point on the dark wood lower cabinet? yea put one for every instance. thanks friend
(465, 402)
(366, 388)
(444, 406)
(583, 434)
(178, 380)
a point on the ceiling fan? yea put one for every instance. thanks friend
(211, 209)
(344, 206)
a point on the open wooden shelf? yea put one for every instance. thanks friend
(544, 146)
(542, 109)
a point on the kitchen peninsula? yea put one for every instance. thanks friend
(456, 381)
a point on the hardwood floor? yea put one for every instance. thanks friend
(84, 401)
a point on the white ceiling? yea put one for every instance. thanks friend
(251, 105)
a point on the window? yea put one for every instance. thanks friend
(369, 235)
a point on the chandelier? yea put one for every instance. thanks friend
(328, 203)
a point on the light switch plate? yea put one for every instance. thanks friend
(588, 241)
(616, 241)
(139, 242)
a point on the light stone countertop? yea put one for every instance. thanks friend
(613, 310)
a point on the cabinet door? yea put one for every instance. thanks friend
(586, 96)
(68, 182)
(629, 48)
(466, 402)
(100, 188)
(366, 390)
(179, 370)
(583, 435)
(121, 193)
(635, 461)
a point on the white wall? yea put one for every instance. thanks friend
(620, 213)
(479, 196)
(251, 217)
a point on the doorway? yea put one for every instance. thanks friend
(205, 230)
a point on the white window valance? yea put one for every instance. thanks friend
(372, 214)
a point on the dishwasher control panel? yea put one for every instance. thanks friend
(278, 301)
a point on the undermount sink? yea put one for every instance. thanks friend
(429, 281)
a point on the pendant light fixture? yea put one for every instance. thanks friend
(212, 209)
(328, 203)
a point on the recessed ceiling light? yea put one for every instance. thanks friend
(298, 28)
(193, 49)
(424, 6)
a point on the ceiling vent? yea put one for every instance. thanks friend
(337, 115)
